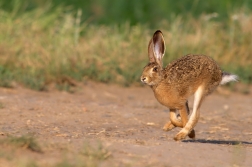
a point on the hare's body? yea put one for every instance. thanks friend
(172, 86)
(182, 77)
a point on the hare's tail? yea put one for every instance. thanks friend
(227, 77)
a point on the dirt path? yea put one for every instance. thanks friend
(128, 123)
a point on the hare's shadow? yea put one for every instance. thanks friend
(221, 142)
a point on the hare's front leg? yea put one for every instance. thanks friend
(188, 127)
(168, 126)
(174, 122)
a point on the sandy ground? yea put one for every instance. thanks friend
(128, 123)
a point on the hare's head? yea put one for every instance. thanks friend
(152, 72)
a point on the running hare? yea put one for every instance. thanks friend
(172, 85)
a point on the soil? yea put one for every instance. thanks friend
(128, 123)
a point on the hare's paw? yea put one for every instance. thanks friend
(192, 134)
(168, 126)
(181, 135)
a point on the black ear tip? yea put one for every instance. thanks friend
(158, 31)
(158, 35)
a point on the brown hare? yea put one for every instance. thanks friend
(191, 74)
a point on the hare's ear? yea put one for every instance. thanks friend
(158, 47)
(151, 52)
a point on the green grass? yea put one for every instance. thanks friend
(90, 155)
(27, 142)
(96, 153)
(41, 47)
(135, 11)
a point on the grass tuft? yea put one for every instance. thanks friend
(96, 153)
(91, 156)
(26, 142)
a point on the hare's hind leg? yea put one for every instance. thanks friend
(192, 133)
(188, 127)
(184, 112)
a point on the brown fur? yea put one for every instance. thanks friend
(180, 79)
(177, 81)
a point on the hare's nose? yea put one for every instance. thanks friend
(143, 79)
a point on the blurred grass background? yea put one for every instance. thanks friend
(44, 43)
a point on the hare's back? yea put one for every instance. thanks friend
(193, 70)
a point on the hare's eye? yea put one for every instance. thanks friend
(155, 69)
